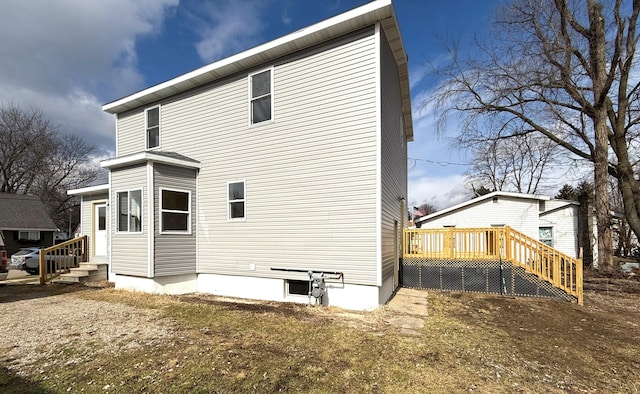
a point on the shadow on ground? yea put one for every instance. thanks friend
(18, 292)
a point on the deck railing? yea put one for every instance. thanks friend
(60, 258)
(494, 244)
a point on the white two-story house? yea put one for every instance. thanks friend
(242, 176)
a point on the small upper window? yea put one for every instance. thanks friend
(236, 200)
(153, 127)
(261, 97)
(546, 235)
(130, 211)
(175, 211)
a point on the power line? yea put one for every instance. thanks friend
(440, 163)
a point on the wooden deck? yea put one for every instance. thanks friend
(497, 244)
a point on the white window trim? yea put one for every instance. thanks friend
(552, 239)
(250, 99)
(244, 218)
(188, 211)
(129, 212)
(146, 127)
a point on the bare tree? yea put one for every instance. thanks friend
(520, 163)
(36, 159)
(562, 69)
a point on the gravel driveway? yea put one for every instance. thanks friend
(70, 324)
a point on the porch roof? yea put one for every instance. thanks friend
(89, 190)
(170, 158)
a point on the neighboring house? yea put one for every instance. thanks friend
(24, 222)
(240, 177)
(554, 222)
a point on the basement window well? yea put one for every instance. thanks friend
(298, 287)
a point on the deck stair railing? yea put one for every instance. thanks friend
(60, 258)
(497, 244)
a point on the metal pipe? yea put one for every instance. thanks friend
(339, 274)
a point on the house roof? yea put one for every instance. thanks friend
(89, 190)
(22, 212)
(366, 15)
(476, 200)
(170, 158)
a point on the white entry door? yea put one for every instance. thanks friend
(100, 230)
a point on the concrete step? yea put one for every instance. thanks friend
(86, 272)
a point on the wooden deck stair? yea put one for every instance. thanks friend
(86, 272)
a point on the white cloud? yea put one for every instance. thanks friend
(442, 192)
(66, 58)
(227, 27)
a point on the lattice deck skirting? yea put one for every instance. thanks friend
(477, 276)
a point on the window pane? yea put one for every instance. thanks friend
(261, 84)
(261, 109)
(153, 117)
(123, 211)
(135, 222)
(236, 191)
(153, 138)
(175, 221)
(176, 201)
(102, 218)
(236, 210)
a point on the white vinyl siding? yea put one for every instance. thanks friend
(129, 250)
(175, 253)
(86, 211)
(518, 213)
(394, 161)
(131, 132)
(312, 172)
(563, 217)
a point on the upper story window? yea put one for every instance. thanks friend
(175, 212)
(261, 96)
(153, 127)
(130, 211)
(236, 200)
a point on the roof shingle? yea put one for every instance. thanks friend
(18, 211)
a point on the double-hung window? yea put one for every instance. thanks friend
(175, 211)
(236, 200)
(153, 127)
(261, 96)
(130, 211)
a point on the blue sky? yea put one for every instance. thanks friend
(72, 56)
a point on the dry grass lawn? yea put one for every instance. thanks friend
(468, 342)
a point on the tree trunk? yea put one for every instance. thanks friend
(601, 198)
(597, 55)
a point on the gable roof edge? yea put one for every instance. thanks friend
(480, 199)
(367, 14)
